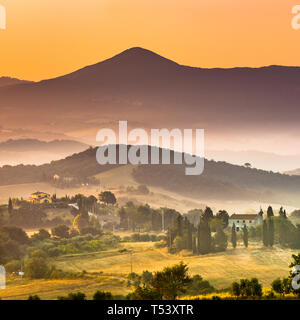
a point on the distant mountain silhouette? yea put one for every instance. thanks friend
(33, 151)
(22, 145)
(149, 90)
(7, 81)
(295, 172)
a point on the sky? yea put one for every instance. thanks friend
(48, 38)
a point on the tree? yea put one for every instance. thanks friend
(247, 165)
(171, 281)
(282, 213)
(145, 293)
(277, 286)
(73, 296)
(207, 214)
(233, 236)
(41, 235)
(220, 240)
(16, 234)
(36, 268)
(265, 233)
(61, 231)
(270, 212)
(146, 278)
(284, 232)
(34, 297)
(107, 197)
(245, 236)
(10, 206)
(204, 238)
(102, 295)
(81, 221)
(235, 289)
(256, 288)
(179, 226)
(223, 215)
(250, 288)
(287, 286)
(271, 231)
(199, 286)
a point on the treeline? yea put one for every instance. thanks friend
(199, 239)
(143, 217)
(278, 230)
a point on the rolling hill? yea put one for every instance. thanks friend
(220, 180)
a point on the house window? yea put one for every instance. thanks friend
(238, 221)
(244, 221)
(250, 221)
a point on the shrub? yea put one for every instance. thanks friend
(36, 268)
(13, 266)
(102, 295)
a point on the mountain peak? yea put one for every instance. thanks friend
(139, 55)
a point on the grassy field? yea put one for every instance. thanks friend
(221, 269)
(21, 289)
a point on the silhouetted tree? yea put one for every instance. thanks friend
(270, 212)
(10, 206)
(265, 234)
(271, 231)
(207, 214)
(107, 197)
(233, 236)
(245, 236)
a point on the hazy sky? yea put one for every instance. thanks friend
(47, 38)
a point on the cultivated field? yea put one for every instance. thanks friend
(21, 289)
(221, 269)
(107, 270)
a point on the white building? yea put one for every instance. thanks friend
(250, 220)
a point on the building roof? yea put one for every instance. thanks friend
(244, 216)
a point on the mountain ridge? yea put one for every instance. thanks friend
(143, 87)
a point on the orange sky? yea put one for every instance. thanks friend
(47, 38)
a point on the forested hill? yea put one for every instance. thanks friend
(220, 180)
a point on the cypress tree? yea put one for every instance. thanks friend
(245, 236)
(207, 215)
(281, 212)
(189, 236)
(194, 245)
(270, 212)
(179, 226)
(204, 236)
(271, 231)
(265, 234)
(10, 206)
(233, 236)
(282, 232)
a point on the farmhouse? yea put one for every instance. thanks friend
(40, 197)
(250, 220)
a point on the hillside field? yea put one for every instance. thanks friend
(107, 270)
(221, 269)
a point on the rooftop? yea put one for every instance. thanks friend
(244, 216)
